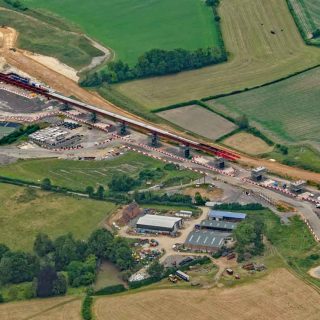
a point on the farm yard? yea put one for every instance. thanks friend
(307, 16)
(42, 309)
(208, 124)
(77, 175)
(119, 24)
(264, 45)
(288, 110)
(280, 295)
(25, 212)
(247, 143)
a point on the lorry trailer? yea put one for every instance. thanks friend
(182, 275)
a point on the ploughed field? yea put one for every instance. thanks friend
(264, 44)
(277, 296)
(132, 27)
(199, 120)
(288, 109)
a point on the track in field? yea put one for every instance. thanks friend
(257, 56)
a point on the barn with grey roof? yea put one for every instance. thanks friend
(160, 224)
(205, 240)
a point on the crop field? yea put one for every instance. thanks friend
(264, 45)
(40, 37)
(132, 27)
(42, 309)
(199, 120)
(307, 15)
(25, 212)
(247, 143)
(288, 109)
(77, 175)
(280, 295)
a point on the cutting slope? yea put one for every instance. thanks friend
(279, 296)
(264, 44)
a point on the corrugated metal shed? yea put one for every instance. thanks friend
(225, 214)
(206, 238)
(221, 225)
(157, 221)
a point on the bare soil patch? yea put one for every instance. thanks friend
(247, 143)
(199, 120)
(212, 194)
(278, 296)
(55, 65)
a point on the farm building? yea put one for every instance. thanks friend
(205, 240)
(130, 212)
(161, 224)
(218, 225)
(184, 214)
(225, 215)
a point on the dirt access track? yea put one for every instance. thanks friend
(278, 296)
(66, 86)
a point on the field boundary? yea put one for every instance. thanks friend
(232, 93)
(201, 102)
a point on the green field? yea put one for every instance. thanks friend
(24, 212)
(132, 27)
(38, 36)
(256, 56)
(288, 110)
(77, 175)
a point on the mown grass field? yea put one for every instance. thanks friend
(256, 56)
(77, 175)
(43, 38)
(24, 212)
(288, 109)
(42, 309)
(208, 124)
(131, 27)
(247, 143)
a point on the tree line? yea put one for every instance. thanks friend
(156, 62)
(56, 264)
(249, 237)
(16, 4)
